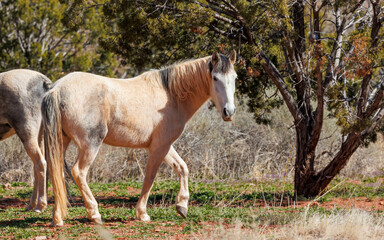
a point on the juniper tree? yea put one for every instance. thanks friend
(32, 36)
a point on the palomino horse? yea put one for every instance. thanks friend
(148, 111)
(21, 93)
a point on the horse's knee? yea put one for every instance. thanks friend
(184, 169)
(180, 168)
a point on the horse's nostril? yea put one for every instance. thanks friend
(226, 112)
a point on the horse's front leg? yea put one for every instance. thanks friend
(156, 156)
(176, 162)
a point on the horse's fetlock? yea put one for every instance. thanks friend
(92, 210)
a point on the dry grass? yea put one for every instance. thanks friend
(15, 165)
(352, 225)
(212, 149)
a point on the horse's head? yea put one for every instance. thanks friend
(223, 87)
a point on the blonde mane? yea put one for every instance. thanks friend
(191, 77)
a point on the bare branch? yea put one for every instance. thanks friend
(357, 6)
(219, 8)
(224, 19)
(375, 103)
(278, 80)
(58, 41)
(216, 9)
(229, 4)
(375, 121)
(224, 33)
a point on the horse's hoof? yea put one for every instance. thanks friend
(40, 208)
(144, 218)
(58, 224)
(97, 221)
(30, 207)
(182, 211)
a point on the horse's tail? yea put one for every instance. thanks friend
(53, 141)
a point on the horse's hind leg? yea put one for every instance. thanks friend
(79, 173)
(39, 197)
(66, 142)
(156, 156)
(176, 162)
(34, 146)
(33, 202)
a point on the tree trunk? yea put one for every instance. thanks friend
(305, 156)
(308, 183)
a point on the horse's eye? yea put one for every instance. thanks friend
(215, 78)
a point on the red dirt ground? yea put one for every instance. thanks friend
(172, 229)
(361, 203)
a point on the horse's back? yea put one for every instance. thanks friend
(22, 83)
(80, 90)
(24, 79)
(21, 93)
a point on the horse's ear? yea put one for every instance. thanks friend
(232, 56)
(215, 58)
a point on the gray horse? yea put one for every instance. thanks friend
(21, 94)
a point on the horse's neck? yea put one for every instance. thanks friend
(192, 103)
(199, 93)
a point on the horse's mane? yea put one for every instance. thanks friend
(184, 78)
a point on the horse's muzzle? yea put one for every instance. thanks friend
(228, 113)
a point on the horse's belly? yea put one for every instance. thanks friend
(6, 131)
(134, 137)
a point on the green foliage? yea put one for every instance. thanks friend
(147, 37)
(33, 36)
